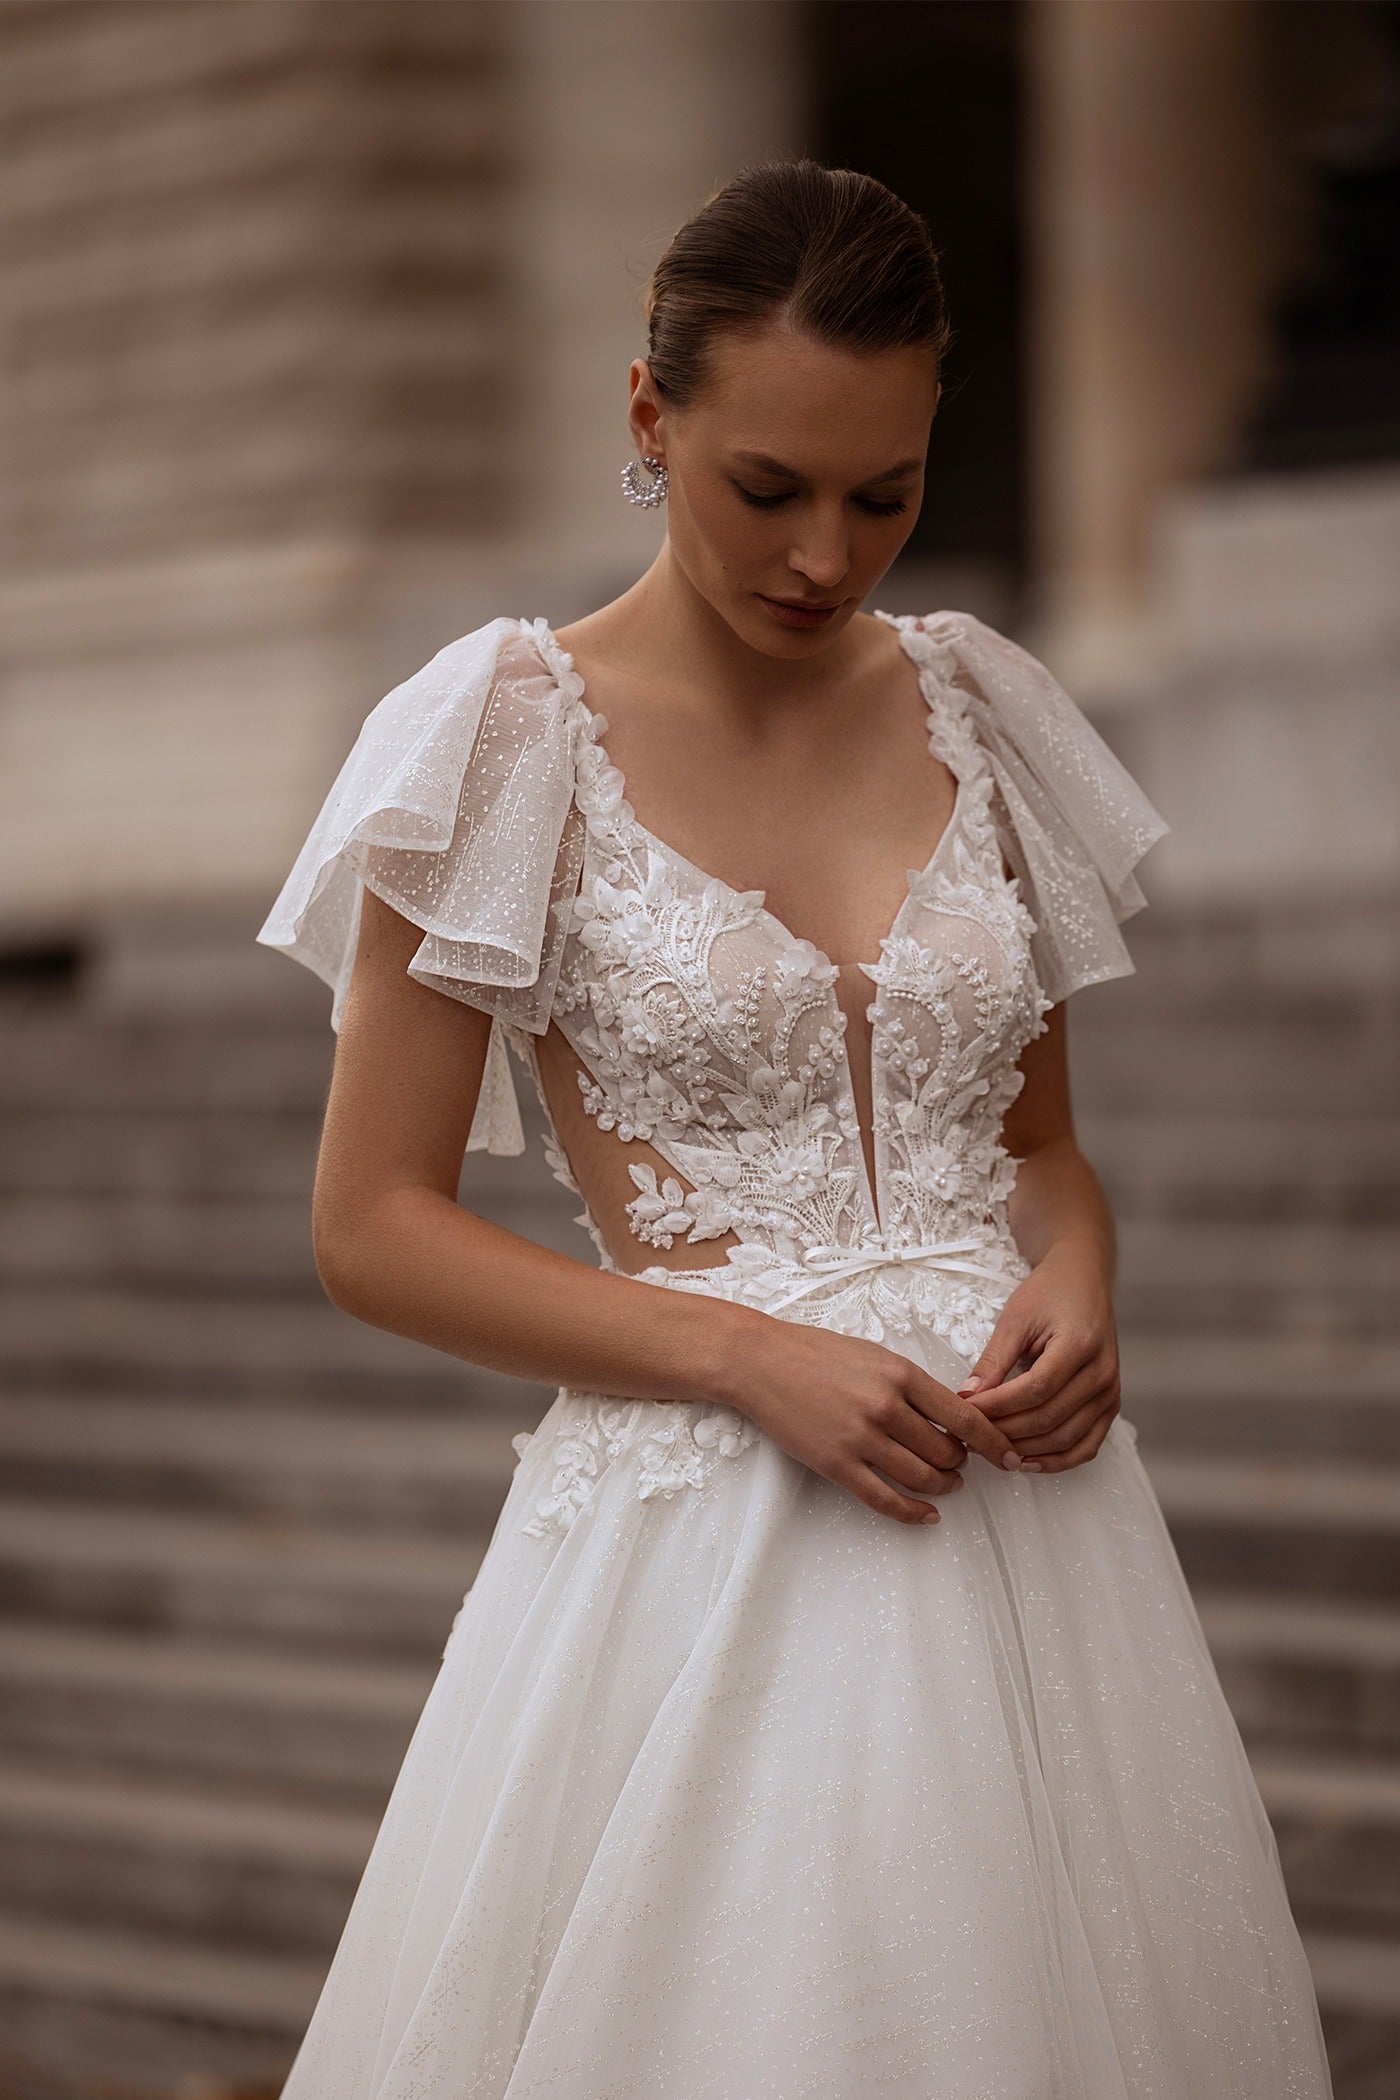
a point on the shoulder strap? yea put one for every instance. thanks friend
(1074, 822)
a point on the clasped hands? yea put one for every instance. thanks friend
(1057, 1411)
(876, 1424)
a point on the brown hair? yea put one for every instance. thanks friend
(826, 250)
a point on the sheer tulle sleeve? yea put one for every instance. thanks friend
(1073, 821)
(455, 806)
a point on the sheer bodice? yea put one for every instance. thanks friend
(689, 1050)
(708, 1033)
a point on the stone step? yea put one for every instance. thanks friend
(1244, 1168)
(248, 1343)
(1244, 1395)
(428, 1474)
(1307, 1673)
(225, 1243)
(1358, 1990)
(1264, 948)
(1242, 1062)
(1275, 1277)
(159, 2011)
(263, 1876)
(1291, 1526)
(233, 1154)
(237, 1155)
(199, 1712)
(295, 1587)
(1250, 1420)
(52, 1061)
(1260, 1393)
(1337, 1821)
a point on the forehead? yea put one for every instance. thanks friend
(814, 406)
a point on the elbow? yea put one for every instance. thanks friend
(339, 1261)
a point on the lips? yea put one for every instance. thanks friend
(797, 613)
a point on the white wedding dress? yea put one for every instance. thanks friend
(729, 1788)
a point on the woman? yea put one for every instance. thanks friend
(730, 1785)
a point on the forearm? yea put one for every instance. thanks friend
(424, 1267)
(1057, 1204)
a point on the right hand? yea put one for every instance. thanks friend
(845, 1406)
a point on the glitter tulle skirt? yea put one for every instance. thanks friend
(729, 1788)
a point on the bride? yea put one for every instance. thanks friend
(730, 1786)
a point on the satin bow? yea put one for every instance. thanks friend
(824, 1263)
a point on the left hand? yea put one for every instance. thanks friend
(1058, 1411)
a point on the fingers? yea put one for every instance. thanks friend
(1087, 1447)
(1051, 1417)
(866, 1484)
(908, 1426)
(1062, 1357)
(1005, 1347)
(964, 1419)
(911, 1471)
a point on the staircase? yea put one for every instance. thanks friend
(1240, 1098)
(235, 1524)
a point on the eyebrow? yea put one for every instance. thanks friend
(775, 466)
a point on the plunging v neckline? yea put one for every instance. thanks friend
(914, 877)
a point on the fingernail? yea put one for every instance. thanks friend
(1033, 1465)
(932, 1517)
(1012, 1461)
(969, 1385)
(956, 1482)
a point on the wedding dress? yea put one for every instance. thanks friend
(729, 1788)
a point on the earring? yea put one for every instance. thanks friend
(655, 492)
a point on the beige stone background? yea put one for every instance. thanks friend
(315, 318)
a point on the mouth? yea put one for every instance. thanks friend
(800, 612)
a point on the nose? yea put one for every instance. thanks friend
(824, 555)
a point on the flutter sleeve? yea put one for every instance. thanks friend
(1072, 820)
(455, 806)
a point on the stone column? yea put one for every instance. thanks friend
(1153, 240)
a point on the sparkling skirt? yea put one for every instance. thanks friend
(729, 1788)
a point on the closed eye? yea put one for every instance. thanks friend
(868, 503)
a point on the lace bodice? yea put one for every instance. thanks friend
(705, 1035)
(705, 1027)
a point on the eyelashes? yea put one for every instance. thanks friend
(868, 503)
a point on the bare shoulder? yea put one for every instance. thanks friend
(602, 634)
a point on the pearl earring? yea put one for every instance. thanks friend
(655, 491)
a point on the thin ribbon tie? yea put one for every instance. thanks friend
(823, 1264)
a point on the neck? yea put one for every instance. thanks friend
(669, 622)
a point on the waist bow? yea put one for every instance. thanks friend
(822, 1264)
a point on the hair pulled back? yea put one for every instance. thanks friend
(830, 252)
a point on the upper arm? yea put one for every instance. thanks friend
(1042, 1112)
(408, 1069)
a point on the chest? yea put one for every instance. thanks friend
(826, 822)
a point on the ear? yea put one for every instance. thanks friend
(644, 410)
